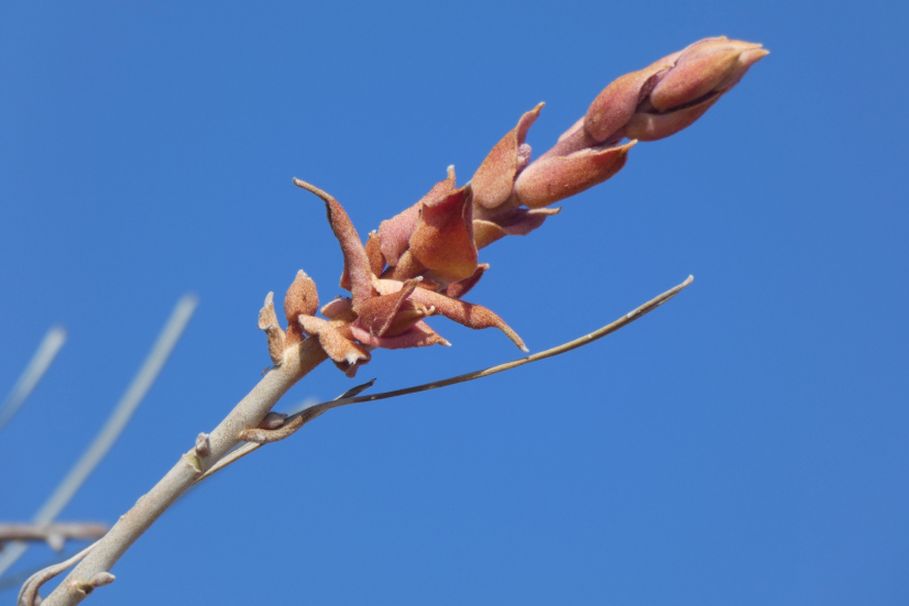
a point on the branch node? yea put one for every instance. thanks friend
(102, 578)
(192, 459)
(98, 580)
(261, 435)
(273, 420)
(203, 445)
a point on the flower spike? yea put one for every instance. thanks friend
(423, 260)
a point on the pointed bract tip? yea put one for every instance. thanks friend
(312, 189)
(750, 57)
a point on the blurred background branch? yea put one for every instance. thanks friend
(44, 356)
(55, 535)
(113, 427)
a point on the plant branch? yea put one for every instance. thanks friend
(224, 446)
(28, 594)
(249, 412)
(44, 356)
(55, 535)
(113, 427)
(258, 436)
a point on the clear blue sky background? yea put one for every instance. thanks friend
(746, 444)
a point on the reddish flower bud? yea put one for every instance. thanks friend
(394, 233)
(519, 222)
(419, 335)
(392, 314)
(493, 181)
(671, 93)
(334, 339)
(555, 177)
(301, 298)
(442, 240)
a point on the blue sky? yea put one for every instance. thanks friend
(745, 444)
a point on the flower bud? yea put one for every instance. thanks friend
(493, 181)
(442, 240)
(550, 179)
(301, 298)
(670, 94)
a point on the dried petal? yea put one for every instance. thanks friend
(494, 180)
(356, 263)
(462, 312)
(551, 179)
(374, 254)
(378, 313)
(456, 290)
(691, 79)
(301, 298)
(746, 60)
(268, 323)
(487, 232)
(407, 267)
(394, 233)
(645, 126)
(616, 103)
(443, 238)
(336, 345)
(519, 222)
(574, 139)
(419, 335)
(267, 315)
(340, 308)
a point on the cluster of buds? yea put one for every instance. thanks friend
(422, 261)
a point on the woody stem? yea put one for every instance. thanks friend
(297, 362)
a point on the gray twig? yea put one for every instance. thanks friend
(112, 428)
(50, 345)
(55, 535)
